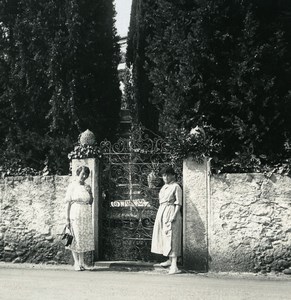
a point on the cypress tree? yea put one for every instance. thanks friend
(146, 113)
(225, 64)
(59, 61)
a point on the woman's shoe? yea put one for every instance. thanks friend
(173, 271)
(77, 268)
(166, 263)
(85, 267)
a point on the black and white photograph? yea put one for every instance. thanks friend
(145, 149)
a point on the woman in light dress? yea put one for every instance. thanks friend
(79, 217)
(167, 232)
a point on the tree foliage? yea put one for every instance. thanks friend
(225, 64)
(144, 110)
(58, 63)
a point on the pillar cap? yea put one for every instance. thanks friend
(87, 138)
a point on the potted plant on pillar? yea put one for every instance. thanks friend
(154, 180)
(196, 143)
(86, 147)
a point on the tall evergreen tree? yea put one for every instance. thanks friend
(146, 113)
(59, 77)
(224, 63)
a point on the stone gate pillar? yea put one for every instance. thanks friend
(195, 214)
(93, 180)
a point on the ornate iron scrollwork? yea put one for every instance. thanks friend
(130, 202)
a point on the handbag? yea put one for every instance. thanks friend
(67, 236)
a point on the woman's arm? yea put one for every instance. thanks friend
(178, 202)
(89, 190)
(68, 213)
(176, 211)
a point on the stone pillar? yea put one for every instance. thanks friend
(195, 214)
(93, 180)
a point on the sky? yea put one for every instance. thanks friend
(122, 16)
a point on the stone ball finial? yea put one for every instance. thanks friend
(87, 138)
(196, 131)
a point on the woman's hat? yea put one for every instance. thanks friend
(168, 170)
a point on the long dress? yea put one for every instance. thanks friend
(167, 236)
(80, 217)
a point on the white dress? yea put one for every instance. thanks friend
(167, 236)
(80, 217)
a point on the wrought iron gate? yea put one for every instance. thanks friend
(130, 187)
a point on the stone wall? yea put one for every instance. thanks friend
(249, 223)
(32, 215)
(195, 248)
(232, 222)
